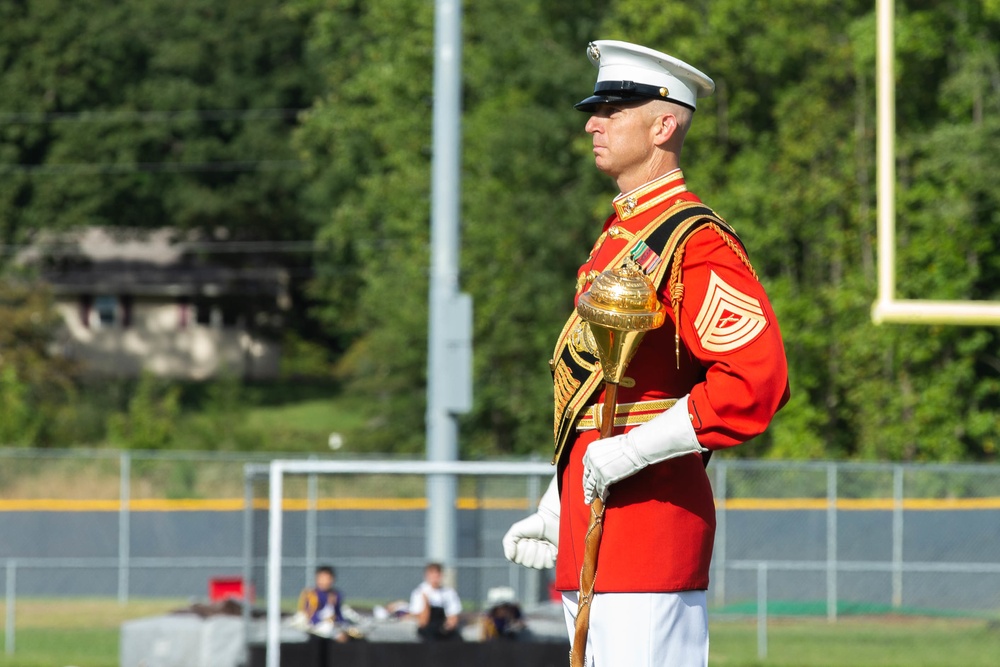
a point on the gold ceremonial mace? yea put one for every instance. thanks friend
(620, 307)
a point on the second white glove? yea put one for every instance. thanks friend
(666, 436)
(534, 541)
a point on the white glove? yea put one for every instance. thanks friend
(534, 542)
(666, 436)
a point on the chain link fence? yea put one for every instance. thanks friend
(858, 538)
(828, 538)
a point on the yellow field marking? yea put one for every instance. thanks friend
(773, 504)
(952, 504)
(50, 505)
(302, 504)
(492, 504)
(186, 505)
(469, 503)
(862, 504)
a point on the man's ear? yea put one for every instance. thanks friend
(664, 127)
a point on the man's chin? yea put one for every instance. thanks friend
(602, 167)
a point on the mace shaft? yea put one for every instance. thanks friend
(592, 543)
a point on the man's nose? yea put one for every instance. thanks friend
(593, 124)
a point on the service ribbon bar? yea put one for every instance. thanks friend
(645, 257)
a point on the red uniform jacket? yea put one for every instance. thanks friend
(660, 523)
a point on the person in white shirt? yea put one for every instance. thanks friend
(435, 607)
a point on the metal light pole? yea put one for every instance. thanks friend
(449, 367)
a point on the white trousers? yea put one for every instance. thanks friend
(644, 629)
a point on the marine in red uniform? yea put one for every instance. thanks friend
(712, 377)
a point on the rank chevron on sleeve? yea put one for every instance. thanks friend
(729, 318)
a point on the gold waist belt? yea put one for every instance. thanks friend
(626, 414)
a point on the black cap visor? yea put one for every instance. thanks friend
(623, 92)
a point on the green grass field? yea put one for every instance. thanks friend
(875, 641)
(305, 425)
(84, 633)
(81, 632)
(60, 647)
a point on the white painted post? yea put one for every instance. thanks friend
(831, 543)
(719, 581)
(311, 526)
(124, 525)
(248, 541)
(9, 637)
(897, 536)
(761, 610)
(274, 565)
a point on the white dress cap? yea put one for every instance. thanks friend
(629, 72)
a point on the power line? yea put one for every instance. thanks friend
(39, 118)
(48, 118)
(249, 247)
(66, 248)
(151, 167)
(63, 249)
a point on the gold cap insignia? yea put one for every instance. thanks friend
(664, 92)
(594, 53)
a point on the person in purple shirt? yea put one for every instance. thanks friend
(322, 603)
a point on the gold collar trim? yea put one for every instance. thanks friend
(651, 194)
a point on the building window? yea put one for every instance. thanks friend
(126, 310)
(232, 312)
(106, 308)
(86, 304)
(203, 312)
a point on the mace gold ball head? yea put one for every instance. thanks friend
(624, 299)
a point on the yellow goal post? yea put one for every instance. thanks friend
(887, 308)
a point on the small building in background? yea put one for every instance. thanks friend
(136, 301)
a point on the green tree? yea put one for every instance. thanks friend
(36, 386)
(19, 424)
(784, 150)
(152, 113)
(150, 420)
(525, 227)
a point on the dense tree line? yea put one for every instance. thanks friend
(784, 151)
(148, 113)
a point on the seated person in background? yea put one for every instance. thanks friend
(436, 607)
(503, 618)
(321, 605)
